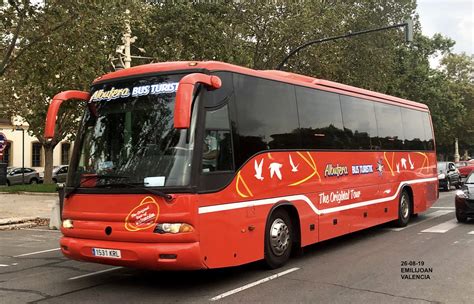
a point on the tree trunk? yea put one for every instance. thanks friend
(48, 163)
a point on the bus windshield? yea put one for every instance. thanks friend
(128, 133)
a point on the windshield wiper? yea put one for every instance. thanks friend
(141, 186)
(87, 178)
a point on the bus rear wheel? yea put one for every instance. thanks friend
(279, 238)
(404, 209)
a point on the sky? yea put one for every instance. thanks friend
(451, 18)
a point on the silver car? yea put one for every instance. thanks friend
(15, 176)
(60, 174)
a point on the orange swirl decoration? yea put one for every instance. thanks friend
(390, 164)
(240, 181)
(312, 164)
(425, 161)
(143, 216)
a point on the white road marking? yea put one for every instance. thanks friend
(94, 273)
(3, 265)
(449, 208)
(472, 232)
(36, 252)
(428, 216)
(443, 227)
(233, 291)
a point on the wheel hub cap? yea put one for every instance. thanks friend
(279, 237)
(404, 206)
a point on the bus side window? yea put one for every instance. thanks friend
(217, 147)
(320, 119)
(429, 141)
(389, 126)
(413, 129)
(359, 123)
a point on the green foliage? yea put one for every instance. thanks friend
(69, 57)
(458, 71)
(259, 34)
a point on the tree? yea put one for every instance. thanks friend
(69, 58)
(256, 34)
(459, 72)
(16, 38)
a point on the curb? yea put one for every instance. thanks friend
(21, 222)
(16, 220)
(18, 226)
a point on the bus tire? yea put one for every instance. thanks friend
(404, 209)
(279, 237)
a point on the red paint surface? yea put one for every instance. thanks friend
(466, 168)
(184, 96)
(54, 108)
(222, 238)
(269, 74)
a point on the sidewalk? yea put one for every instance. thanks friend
(24, 207)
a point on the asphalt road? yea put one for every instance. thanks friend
(363, 267)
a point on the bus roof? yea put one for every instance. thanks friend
(281, 76)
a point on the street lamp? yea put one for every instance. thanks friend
(408, 25)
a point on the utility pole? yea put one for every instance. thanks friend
(127, 40)
(124, 50)
(456, 150)
(127, 60)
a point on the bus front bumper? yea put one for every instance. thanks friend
(157, 256)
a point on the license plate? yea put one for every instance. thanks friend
(107, 253)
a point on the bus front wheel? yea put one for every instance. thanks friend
(278, 239)
(404, 209)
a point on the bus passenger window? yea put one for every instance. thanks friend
(359, 123)
(217, 147)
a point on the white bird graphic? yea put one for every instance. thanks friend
(412, 164)
(398, 168)
(293, 167)
(404, 163)
(258, 170)
(275, 169)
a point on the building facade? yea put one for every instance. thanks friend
(28, 149)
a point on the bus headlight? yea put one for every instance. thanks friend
(173, 228)
(68, 224)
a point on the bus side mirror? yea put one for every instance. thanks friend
(53, 109)
(184, 96)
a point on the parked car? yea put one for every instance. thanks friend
(464, 200)
(60, 174)
(448, 175)
(465, 167)
(15, 176)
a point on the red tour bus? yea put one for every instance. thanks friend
(192, 165)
